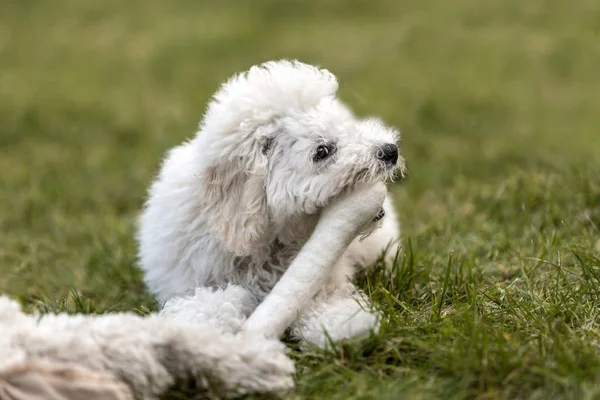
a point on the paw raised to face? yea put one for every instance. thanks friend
(324, 150)
(276, 142)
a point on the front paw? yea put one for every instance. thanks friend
(344, 320)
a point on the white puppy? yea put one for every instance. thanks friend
(233, 207)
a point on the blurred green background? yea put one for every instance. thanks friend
(498, 103)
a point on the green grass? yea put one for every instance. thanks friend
(496, 293)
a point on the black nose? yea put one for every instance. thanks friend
(388, 153)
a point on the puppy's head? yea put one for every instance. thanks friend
(277, 143)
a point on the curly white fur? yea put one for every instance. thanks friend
(150, 354)
(340, 223)
(235, 205)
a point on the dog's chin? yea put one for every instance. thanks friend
(378, 173)
(391, 173)
(397, 173)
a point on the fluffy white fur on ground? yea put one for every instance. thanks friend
(235, 205)
(150, 354)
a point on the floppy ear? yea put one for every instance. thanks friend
(235, 195)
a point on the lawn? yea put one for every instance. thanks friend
(496, 292)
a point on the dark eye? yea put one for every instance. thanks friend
(322, 153)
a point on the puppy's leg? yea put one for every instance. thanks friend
(382, 242)
(332, 316)
(226, 309)
(342, 311)
(338, 225)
